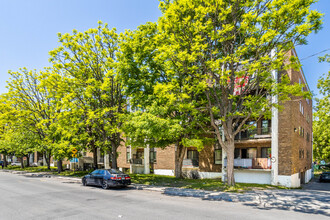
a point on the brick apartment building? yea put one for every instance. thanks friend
(278, 151)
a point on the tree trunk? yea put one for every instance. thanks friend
(94, 156)
(179, 155)
(114, 155)
(47, 159)
(5, 163)
(28, 160)
(59, 166)
(22, 162)
(230, 163)
(110, 158)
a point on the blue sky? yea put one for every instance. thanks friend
(29, 30)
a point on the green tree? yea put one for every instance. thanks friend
(35, 109)
(16, 137)
(93, 97)
(321, 131)
(229, 49)
(164, 102)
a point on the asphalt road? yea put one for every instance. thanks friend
(35, 198)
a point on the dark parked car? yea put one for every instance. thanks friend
(325, 177)
(107, 178)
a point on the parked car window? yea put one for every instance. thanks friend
(102, 172)
(114, 171)
(95, 172)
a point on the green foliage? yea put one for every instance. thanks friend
(321, 131)
(33, 112)
(168, 103)
(229, 50)
(92, 93)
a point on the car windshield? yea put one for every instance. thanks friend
(114, 171)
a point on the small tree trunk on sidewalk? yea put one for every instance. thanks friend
(47, 158)
(22, 162)
(5, 163)
(113, 155)
(230, 163)
(59, 166)
(94, 156)
(179, 155)
(28, 160)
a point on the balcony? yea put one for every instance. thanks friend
(136, 161)
(251, 163)
(257, 133)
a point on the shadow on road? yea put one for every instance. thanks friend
(310, 200)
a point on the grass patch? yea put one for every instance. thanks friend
(202, 184)
(31, 169)
(44, 169)
(70, 173)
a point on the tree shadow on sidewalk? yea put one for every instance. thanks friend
(313, 202)
(294, 200)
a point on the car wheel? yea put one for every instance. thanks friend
(104, 184)
(84, 182)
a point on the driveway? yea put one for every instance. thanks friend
(316, 185)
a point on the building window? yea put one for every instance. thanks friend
(153, 154)
(192, 154)
(245, 153)
(307, 136)
(217, 153)
(128, 154)
(308, 118)
(264, 127)
(237, 153)
(301, 131)
(266, 152)
(301, 107)
(139, 153)
(301, 154)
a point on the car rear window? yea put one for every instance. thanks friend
(114, 171)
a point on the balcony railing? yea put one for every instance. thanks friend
(190, 162)
(251, 163)
(256, 133)
(135, 161)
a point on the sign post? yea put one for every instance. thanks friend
(74, 155)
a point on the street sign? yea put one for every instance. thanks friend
(74, 160)
(74, 151)
(74, 155)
